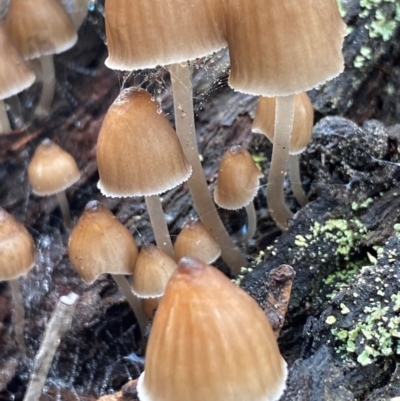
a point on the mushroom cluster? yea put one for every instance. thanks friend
(201, 346)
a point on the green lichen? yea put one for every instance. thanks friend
(374, 334)
(382, 26)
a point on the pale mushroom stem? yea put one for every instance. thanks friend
(48, 78)
(19, 311)
(133, 301)
(295, 180)
(251, 221)
(160, 228)
(185, 128)
(5, 127)
(64, 206)
(284, 114)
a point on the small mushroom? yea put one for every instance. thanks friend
(303, 121)
(237, 185)
(139, 154)
(210, 341)
(51, 171)
(40, 29)
(17, 257)
(152, 271)
(100, 244)
(195, 241)
(15, 76)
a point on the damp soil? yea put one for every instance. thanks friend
(341, 332)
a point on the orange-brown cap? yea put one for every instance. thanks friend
(210, 341)
(152, 271)
(238, 179)
(144, 34)
(138, 152)
(17, 249)
(99, 244)
(278, 48)
(51, 169)
(195, 241)
(264, 121)
(15, 76)
(40, 27)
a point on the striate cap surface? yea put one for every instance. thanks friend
(138, 152)
(17, 249)
(210, 341)
(15, 75)
(279, 48)
(100, 244)
(39, 27)
(52, 169)
(145, 34)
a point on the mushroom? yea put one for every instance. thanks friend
(17, 257)
(195, 241)
(15, 76)
(139, 154)
(152, 271)
(280, 49)
(40, 29)
(237, 185)
(100, 244)
(303, 121)
(51, 171)
(210, 341)
(171, 32)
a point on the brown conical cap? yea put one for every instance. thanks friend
(195, 241)
(52, 169)
(264, 121)
(238, 179)
(210, 341)
(15, 76)
(278, 48)
(152, 271)
(40, 27)
(99, 244)
(138, 152)
(17, 249)
(144, 34)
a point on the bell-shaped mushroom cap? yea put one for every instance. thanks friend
(279, 48)
(51, 169)
(14, 73)
(40, 27)
(210, 341)
(138, 152)
(152, 271)
(144, 34)
(99, 244)
(238, 179)
(195, 241)
(17, 249)
(264, 121)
